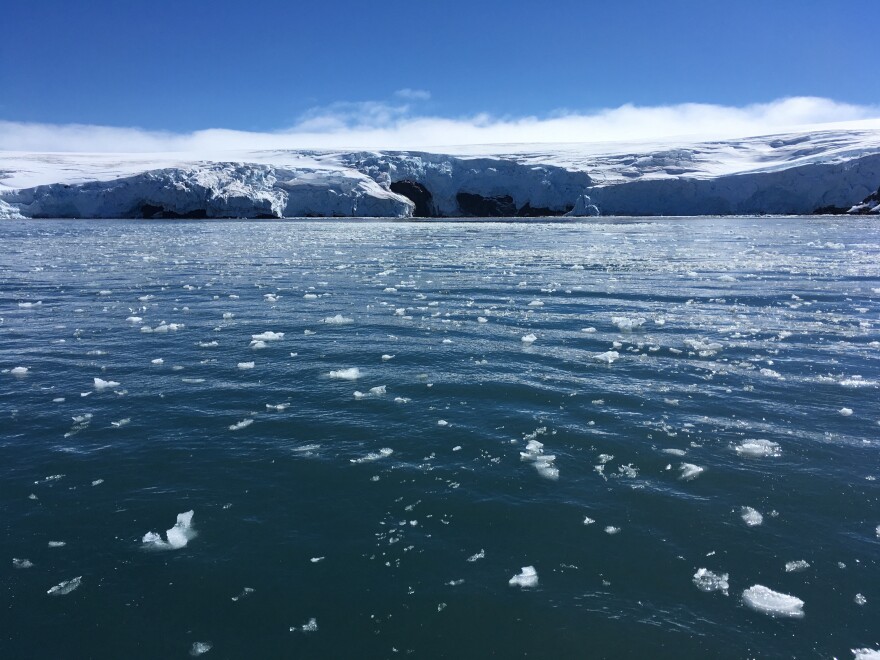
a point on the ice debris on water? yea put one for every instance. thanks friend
(607, 357)
(759, 448)
(247, 591)
(796, 566)
(706, 580)
(751, 516)
(689, 471)
(529, 339)
(526, 579)
(245, 365)
(866, 654)
(373, 456)
(268, 336)
(240, 425)
(178, 536)
(588, 520)
(860, 599)
(765, 600)
(279, 407)
(339, 319)
(627, 324)
(612, 530)
(65, 587)
(200, 648)
(476, 557)
(310, 626)
(19, 371)
(22, 563)
(845, 412)
(544, 463)
(352, 373)
(57, 544)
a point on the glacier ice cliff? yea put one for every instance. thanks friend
(814, 172)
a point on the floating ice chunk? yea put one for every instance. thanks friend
(526, 579)
(64, 588)
(612, 530)
(247, 591)
(529, 339)
(315, 560)
(591, 329)
(373, 456)
(352, 373)
(482, 319)
(758, 448)
(310, 626)
(751, 517)
(28, 305)
(607, 357)
(589, 521)
(877, 531)
(689, 471)
(387, 357)
(157, 361)
(765, 600)
(19, 371)
(544, 463)
(702, 347)
(121, 422)
(442, 422)
(401, 399)
(268, 336)
(478, 556)
(707, 581)
(627, 324)
(200, 648)
(846, 412)
(536, 303)
(769, 373)
(209, 344)
(866, 654)
(796, 566)
(859, 599)
(178, 536)
(22, 563)
(135, 319)
(97, 482)
(256, 345)
(240, 425)
(57, 544)
(674, 452)
(378, 391)
(245, 365)
(310, 296)
(339, 319)
(279, 407)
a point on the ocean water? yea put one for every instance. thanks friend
(612, 404)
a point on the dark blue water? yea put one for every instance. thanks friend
(660, 347)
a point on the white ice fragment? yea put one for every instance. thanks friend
(758, 448)
(97, 482)
(245, 365)
(846, 412)
(57, 544)
(240, 425)
(536, 303)
(442, 422)
(315, 560)
(529, 339)
(121, 422)
(268, 336)
(64, 588)
(387, 357)
(612, 530)
(476, 557)
(866, 654)
(373, 456)
(22, 563)
(689, 471)
(378, 391)
(352, 373)
(860, 599)
(674, 452)
(19, 371)
(588, 520)
(339, 319)
(607, 357)
(157, 361)
(178, 536)
(482, 319)
(796, 566)
(591, 329)
(279, 407)
(256, 345)
(751, 517)
(526, 579)
(200, 648)
(310, 626)
(247, 591)
(627, 324)
(765, 600)
(707, 581)
(228, 315)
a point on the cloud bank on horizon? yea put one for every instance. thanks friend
(397, 125)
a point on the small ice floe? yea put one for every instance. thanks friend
(19, 371)
(591, 329)
(57, 544)
(703, 347)
(310, 626)
(64, 588)
(97, 482)
(706, 580)
(228, 315)
(536, 303)
(526, 579)
(373, 456)
(135, 319)
(178, 536)
(28, 305)
(612, 530)
(442, 422)
(352, 373)
(241, 425)
(529, 339)
(256, 345)
(121, 422)
(387, 357)
(339, 319)
(401, 399)
(22, 563)
(310, 296)
(270, 297)
(796, 566)
(589, 521)
(278, 407)
(315, 560)
(478, 556)
(245, 365)
(675, 452)
(751, 517)
(759, 448)
(157, 361)
(859, 599)
(374, 391)
(607, 357)
(544, 463)
(247, 591)
(482, 319)
(765, 600)
(626, 323)
(866, 654)
(209, 344)
(689, 471)
(200, 648)
(268, 336)
(845, 412)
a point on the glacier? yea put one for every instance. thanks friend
(829, 171)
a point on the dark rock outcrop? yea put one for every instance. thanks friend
(418, 195)
(477, 206)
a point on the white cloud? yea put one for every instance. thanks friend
(413, 94)
(378, 125)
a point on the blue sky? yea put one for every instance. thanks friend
(267, 65)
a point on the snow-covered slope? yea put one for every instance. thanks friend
(794, 173)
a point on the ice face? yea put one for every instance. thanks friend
(773, 603)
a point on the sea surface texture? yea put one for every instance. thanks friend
(645, 438)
